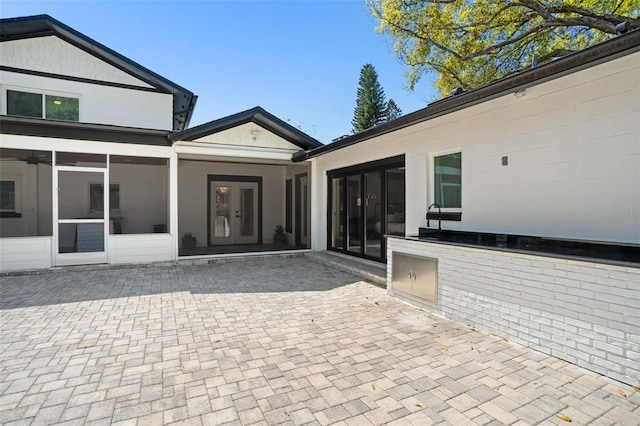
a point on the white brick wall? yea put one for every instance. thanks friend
(584, 312)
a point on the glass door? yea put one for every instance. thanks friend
(233, 213)
(354, 213)
(365, 203)
(373, 216)
(336, 218)
(80, 217)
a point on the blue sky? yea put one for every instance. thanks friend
(298, 59)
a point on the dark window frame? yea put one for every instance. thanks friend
(45, 99)
(288, 222)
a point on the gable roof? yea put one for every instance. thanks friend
(603, 52)
(44, 25)
(257, 115)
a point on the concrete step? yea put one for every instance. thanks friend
(371, 271)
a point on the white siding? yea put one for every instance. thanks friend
(98, 103)
(25, 253)
(141, 248)
(54, 55)
(573, 152)
(249, 135)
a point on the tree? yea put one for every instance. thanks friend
(469, 43)
(370, 102)
(393, 110)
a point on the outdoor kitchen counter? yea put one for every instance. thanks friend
(599, 252)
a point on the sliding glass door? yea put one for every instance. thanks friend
(365, 203)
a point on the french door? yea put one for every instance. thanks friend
(81, 233)
(234, 212)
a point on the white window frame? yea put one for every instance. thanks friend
(432, 188)
(16, 179)
(4, 110)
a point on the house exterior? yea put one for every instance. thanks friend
(77, 117)
(98, 164)
(535, 181)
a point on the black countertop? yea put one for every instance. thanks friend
(599, 252)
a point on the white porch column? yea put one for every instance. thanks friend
(318, 209)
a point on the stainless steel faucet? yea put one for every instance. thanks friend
(439, 215)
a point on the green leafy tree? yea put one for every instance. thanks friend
(469, 43)
(371, 106)
(393, 110)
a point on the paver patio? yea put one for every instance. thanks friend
(269, 341)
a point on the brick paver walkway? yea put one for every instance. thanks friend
(272, 341)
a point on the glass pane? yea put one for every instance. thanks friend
(61, 108)
(78, 159)
(80, 195)
(448, 180)
(24, 104)
(247, 211)
(373, 214)
(337, 211)
(7, 196)
(222, 218)
(139, 195)
(80, 237)
(395, 202)
(354, 216)
(26, 191)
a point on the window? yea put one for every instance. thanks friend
(38, 105)
(448, 180)
(96, 197)
(8, 196)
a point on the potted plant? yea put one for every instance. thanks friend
(279, 237)
(188, 241)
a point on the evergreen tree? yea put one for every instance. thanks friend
(371, 107)
(393, 110)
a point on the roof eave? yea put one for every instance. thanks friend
(255, 115)
(45, 25)
(607, 51)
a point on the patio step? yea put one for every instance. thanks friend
(371, 271)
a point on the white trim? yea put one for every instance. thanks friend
(431, 167)
(264, 154)
(81, 221)
(65, 259)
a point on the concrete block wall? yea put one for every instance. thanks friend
(584, 312)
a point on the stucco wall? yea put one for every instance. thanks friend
(192, 195)
(573, 159)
